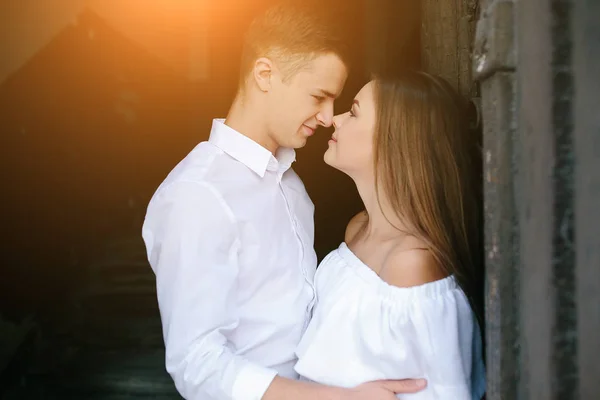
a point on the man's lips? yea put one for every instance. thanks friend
(309, 130)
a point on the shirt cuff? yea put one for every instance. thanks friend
(252, 382)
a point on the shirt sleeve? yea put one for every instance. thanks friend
(446, 337)
(192, 240)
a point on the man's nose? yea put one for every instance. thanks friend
(325, 116)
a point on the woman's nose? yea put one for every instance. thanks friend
(337, 120)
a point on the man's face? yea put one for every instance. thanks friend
(305, 101)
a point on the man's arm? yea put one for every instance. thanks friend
(288, 389)
(192, 240)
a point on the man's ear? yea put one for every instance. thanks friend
(262, 73)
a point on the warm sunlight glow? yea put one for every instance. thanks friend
(173, 30)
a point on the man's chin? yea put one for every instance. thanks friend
(299, 142)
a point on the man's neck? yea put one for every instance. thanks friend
(250, 122)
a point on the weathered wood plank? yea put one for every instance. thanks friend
(586, 138)
(493, 65)
(447, 32)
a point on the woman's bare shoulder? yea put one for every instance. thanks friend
(412, 267)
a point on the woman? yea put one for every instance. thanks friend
(402, 295)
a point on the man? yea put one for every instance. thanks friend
(229, 233)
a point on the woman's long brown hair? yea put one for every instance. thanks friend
(428, 163)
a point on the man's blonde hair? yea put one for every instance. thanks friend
(291, 34)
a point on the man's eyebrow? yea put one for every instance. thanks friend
(327, 94)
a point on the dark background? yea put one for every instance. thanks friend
(90, 126)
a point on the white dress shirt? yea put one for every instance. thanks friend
(364, 329)
(229, 235)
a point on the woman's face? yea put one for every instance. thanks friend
(351, 145)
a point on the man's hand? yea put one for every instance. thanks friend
(386, 389)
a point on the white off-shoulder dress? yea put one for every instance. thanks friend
(364, 329)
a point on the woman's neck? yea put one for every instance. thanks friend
(383, 223)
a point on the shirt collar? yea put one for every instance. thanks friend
(248, 152)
